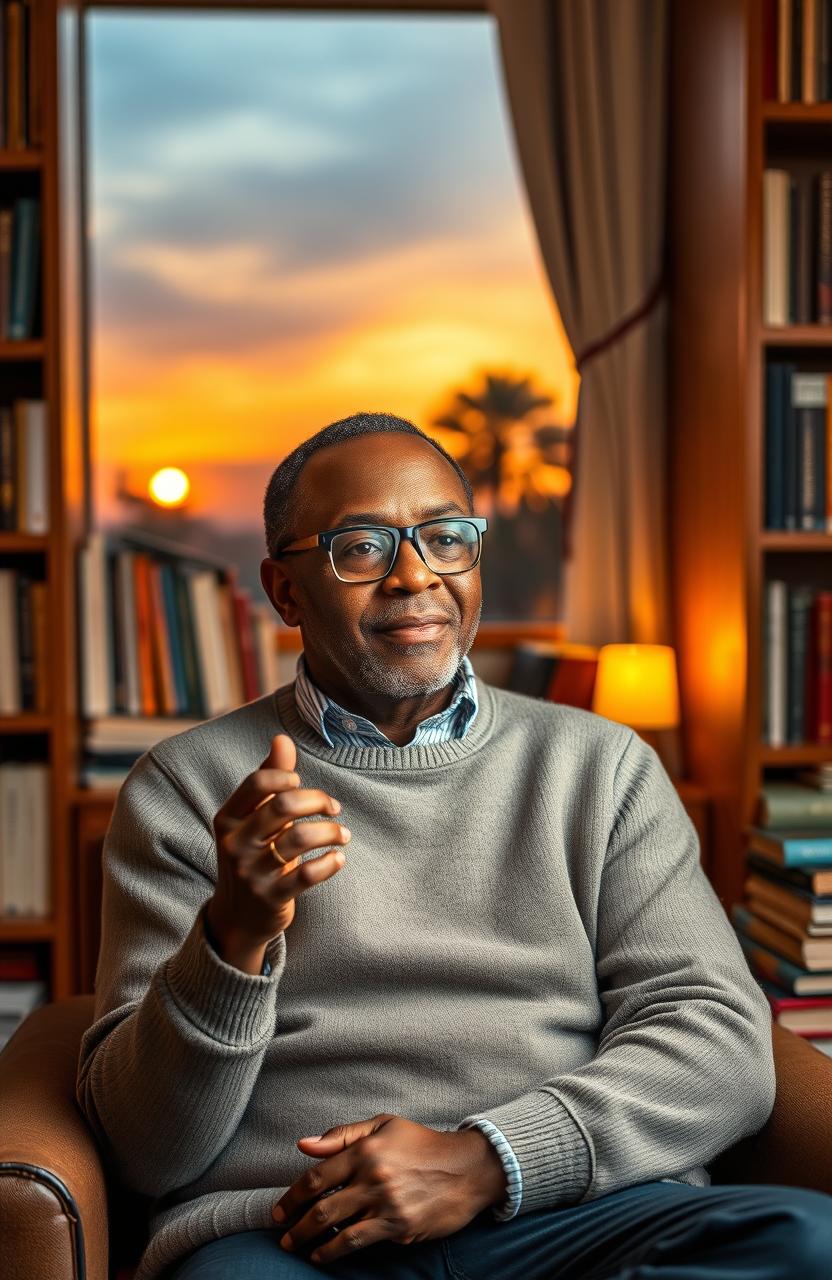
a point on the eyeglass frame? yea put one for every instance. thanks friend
(399, 532)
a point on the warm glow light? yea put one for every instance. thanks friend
(169, 487)
(637, 684)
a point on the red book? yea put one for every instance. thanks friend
(144, 639)
(18, 966)
(770, 51)
(245, 640)
(819, 682)
(790, 1011)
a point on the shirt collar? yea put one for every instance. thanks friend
(339, 727)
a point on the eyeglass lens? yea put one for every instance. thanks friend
(448, 546)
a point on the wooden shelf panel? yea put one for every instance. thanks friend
(26, 722)
(20, 349)
(798, 335)
(24, 542)
(803, 753)
(784, 540)
(798, 112)
(25, 929)
(17, 160)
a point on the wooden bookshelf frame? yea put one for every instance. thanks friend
(719, 125)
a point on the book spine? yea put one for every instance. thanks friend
(804, 242)
(790, 471)
(810, 51)
(776, 686)
(8, 471)
(25, 266)
(784, 50)
(770, 50)
(9, 656)
(824, 260)
(775, 446)
(26, 642)
(823, 650)
(40, 641)
(14, 86)
(776, 220)
(6, 225)
(36, 478)
(176, 639)
(797, 51)
(799, 609)
(144, 640)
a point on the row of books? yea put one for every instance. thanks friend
(21, 99)
(24, 839)
(797, 247)
(24, 467)
(19, 267)
(797, 664)
(784, 924)
(24, 643)
(167, 638)
(798, 449)
(797, 50)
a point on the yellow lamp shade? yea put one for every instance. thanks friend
(638, 685)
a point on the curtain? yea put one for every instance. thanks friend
(587, 87)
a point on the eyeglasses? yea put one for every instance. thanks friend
(367, 552)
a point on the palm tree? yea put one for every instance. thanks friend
(507, 442)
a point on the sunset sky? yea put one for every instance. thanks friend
(294, 218)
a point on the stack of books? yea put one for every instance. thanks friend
(167, 639)
(559, 672)
(785, 923)
(797, 247)
(797, 50)
(797, 664)
(798, 449)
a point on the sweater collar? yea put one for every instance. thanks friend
(427, 755)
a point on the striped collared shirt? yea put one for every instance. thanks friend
(341, 728)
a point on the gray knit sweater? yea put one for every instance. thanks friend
(539, 875)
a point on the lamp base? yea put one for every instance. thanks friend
(666, 743)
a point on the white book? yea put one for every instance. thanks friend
(265, 647)
(125, 603)
(208, 633)
(37, 785)
(776, 213)
(776, 662)
(93, 617)
(36, 476)
(10, 700)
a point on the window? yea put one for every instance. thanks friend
(294, 217)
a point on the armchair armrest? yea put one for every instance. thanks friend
(53, 1194)
(794, 1146)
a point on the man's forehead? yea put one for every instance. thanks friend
(394, 478)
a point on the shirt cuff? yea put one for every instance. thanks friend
(511, 1167)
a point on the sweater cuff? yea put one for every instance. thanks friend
(549, 1144)
(510, 1206)
(223, 1002)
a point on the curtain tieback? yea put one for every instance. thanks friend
(624, 326)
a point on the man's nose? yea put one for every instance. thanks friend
(409, 572)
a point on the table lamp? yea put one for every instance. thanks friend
(637, 684)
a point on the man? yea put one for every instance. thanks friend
(499, 1027)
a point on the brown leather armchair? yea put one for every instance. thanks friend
(62, 1215)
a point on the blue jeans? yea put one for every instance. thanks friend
(662, 1229)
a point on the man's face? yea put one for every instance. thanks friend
(387, 478)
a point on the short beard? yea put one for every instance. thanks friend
(371, 674)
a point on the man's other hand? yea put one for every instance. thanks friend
(388, 1179)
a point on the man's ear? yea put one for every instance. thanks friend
(281, 590)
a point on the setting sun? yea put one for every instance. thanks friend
(169, 487)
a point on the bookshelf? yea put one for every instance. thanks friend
(35, 368)
(723, 136)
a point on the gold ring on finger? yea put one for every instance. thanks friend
(276, 853)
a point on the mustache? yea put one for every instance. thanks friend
(393, 619)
